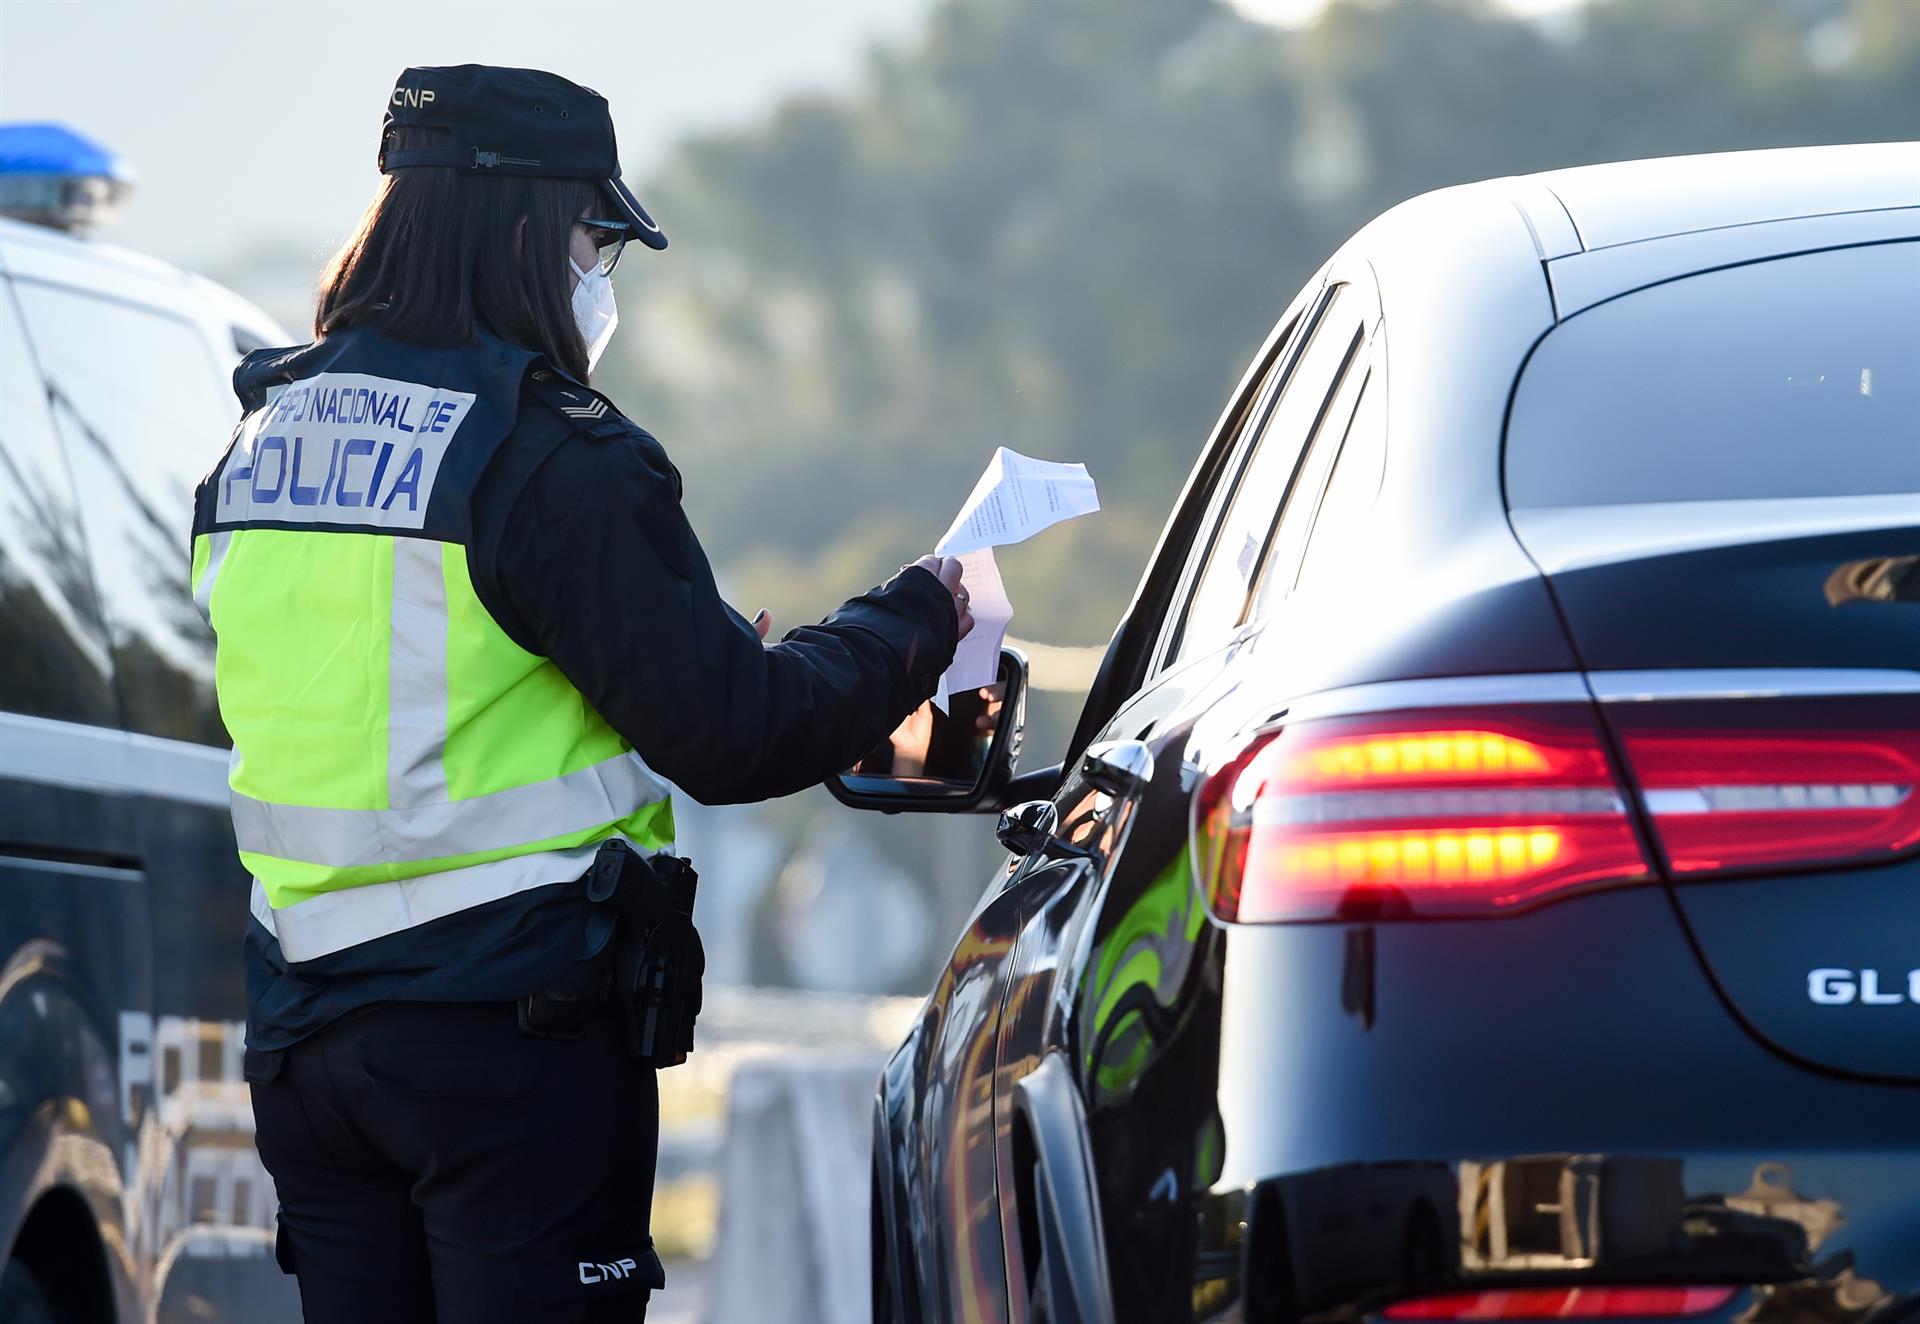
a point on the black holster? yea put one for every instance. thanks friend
(657, 960)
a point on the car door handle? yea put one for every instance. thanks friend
(1119, 768)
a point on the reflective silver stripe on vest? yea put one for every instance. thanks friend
(217, 545)
(345, 838)
(262, 908)
(338, 920)
(417, 679)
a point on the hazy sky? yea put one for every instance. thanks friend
(255, 122)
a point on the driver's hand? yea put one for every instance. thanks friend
(946, 569)
(991, 701)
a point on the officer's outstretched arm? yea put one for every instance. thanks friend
(603, 571)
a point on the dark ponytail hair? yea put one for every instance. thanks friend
(439, 255)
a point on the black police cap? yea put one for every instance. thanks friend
(512, 122)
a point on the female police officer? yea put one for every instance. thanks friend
(465, 638)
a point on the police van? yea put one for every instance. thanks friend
(129, 1185)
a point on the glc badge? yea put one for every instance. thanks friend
(1837, 988)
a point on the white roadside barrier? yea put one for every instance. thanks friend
(793, 1165)
(792, 1245)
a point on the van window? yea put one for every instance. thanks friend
(141, 404)
(1797, 377)
(53, 654)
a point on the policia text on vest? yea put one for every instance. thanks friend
(385, 443)
(467, 644)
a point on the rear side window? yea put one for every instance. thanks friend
(1223, 588)
(1193, 556)
(1797, 377)
(1341, 524)
(53, 653)
(1280, 563)
(141, 405)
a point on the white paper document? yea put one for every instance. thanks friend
(1015, 498)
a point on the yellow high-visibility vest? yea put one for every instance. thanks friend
(396, 756)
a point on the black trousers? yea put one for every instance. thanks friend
(434, 1163)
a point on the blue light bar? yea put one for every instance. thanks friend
(52, 176)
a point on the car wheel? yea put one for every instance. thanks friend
(21, 1300)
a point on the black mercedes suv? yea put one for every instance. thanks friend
(1485, 879)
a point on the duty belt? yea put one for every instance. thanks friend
(656, 959)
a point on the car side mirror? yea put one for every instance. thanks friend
(953, 762)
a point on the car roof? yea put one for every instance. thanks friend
(1599, 231)
(38, 253)
(1471, 277)
(1626, 202)
(36, 250)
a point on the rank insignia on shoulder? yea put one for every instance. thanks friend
(569, 398)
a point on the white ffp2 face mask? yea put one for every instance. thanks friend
(593, 310)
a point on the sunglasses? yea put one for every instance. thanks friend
(609, 238)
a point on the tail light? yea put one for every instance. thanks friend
(1436, 812)
(1565, 1303)
(1745, 785)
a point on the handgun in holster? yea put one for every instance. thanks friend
(657, 957)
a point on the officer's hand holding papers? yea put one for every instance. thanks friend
(1015, 498)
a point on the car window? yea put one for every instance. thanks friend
(1789, 378)
(1217, 603)
(53, 654)
(1350, 492)
(144, 411)
(1193, 554)
(1280, 557)
(1146, 630)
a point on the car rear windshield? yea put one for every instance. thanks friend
(1795, 377)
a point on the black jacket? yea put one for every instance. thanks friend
(579, 549)
(582, 553)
